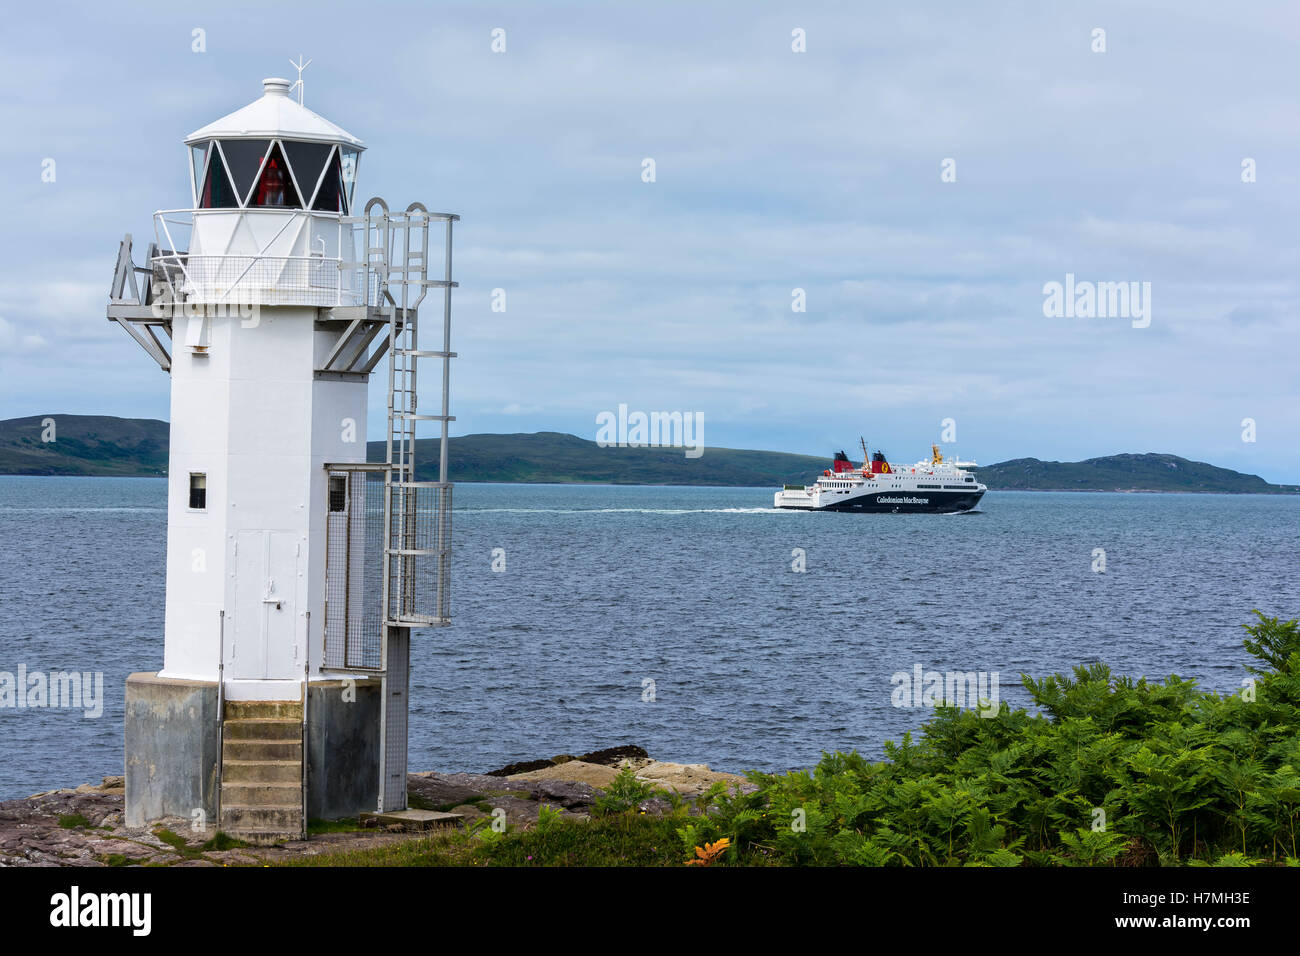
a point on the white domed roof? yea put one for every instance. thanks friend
(276, 114)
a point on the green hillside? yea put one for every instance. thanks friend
(1127, 472)
(83, 445)
(557, 457)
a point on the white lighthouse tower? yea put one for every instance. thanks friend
(296, 570)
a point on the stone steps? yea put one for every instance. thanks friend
(283, 709)
(262, 728)
(237, 771)
(261, 770)
(251, 749)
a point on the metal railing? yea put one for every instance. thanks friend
(316, 279)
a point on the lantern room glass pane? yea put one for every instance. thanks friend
(350, 157)
(217, 192)
(274, 189)
(198, 154)
(244, 157)
(329, 198)
(307, 160)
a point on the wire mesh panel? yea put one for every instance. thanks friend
(353, 566)
(270, 280)
(419, 554)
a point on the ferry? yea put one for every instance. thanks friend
(935, 486)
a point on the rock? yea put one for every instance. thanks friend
(615, 756)
(686, 778)
(518, 812)
(593, 774)
(635, 763)
(524, 767)
(610, 756)
(569, 794)
(443, 790)
(468, 811)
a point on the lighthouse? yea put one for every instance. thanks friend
(298, 573)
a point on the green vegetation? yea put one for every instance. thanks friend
(70, 821)
(621, 839)
(179, 843)
(1114, 772)
(624, 794)
(316, 825)
(1148, 472)
(222, 841)
(83, 445)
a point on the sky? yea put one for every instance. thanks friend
(920, 171)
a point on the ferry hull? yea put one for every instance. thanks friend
(893, 502)
(926, 502)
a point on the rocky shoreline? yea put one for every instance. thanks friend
(84, 826)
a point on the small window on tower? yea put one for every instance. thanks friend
(338, 493)
(198, 491)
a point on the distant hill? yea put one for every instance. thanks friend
(1128, 472)
(100, 445)
(557, 457)
(83, 445)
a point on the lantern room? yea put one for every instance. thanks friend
(273, 154)
(270, 186)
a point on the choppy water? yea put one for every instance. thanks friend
(753, 665)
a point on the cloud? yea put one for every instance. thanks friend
(14, 341)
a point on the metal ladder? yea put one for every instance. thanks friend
(397, 251)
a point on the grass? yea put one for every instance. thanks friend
(624, 839)
(222, 841)
(70, 821)
(317, 826)
(178, 843)
(417, 802)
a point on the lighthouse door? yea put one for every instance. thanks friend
(266, 586)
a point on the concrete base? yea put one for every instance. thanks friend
(343, 748)
(171, 748)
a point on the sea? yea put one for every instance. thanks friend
(698, 623)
